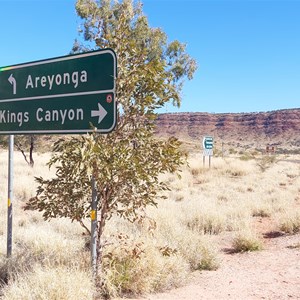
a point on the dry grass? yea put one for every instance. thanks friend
(290, 222)
(50, 258)
(246, 241)
(50, 283)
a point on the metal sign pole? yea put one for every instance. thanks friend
(10, 195)
(94, 228)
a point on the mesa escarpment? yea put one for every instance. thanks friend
(280, 128)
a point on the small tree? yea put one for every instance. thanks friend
(22, 142)
(126, 163)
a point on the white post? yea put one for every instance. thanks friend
(10, 195)
(94, 228)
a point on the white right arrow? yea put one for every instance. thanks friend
(100, 113)
(13, 81)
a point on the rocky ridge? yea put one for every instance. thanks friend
(279, 128)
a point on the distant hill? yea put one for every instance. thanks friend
(279, 128)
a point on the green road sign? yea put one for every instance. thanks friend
(69, 94)
(208, 142)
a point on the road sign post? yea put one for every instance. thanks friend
(68, 94)
(10, 195)
(94, 239)
(208, 145)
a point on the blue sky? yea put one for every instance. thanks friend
(248, 51)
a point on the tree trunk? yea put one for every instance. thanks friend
(20, 146)
(31, 150)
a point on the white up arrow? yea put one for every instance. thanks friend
(13, 81)
(100, 113)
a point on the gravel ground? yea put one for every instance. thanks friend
(273, 273)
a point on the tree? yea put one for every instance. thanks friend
(21, 142)
(126, 163)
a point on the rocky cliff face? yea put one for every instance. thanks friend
(280, 128)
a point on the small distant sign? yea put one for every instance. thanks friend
(270, 149)
(208, 145)
(208, 142)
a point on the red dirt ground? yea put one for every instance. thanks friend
(272, 273)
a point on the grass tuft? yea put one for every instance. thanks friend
(290, 223)
(246, 242)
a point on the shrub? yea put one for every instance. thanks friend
(236, 169)
(208, 260)
(232, 151)
(133, 267)
(196, 249)
(266, 162)
(246, 241)
(290, 223)
(207, 223)
(262, 210)
(246, 157)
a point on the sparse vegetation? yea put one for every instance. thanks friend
(178, 237)
(266, 162)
